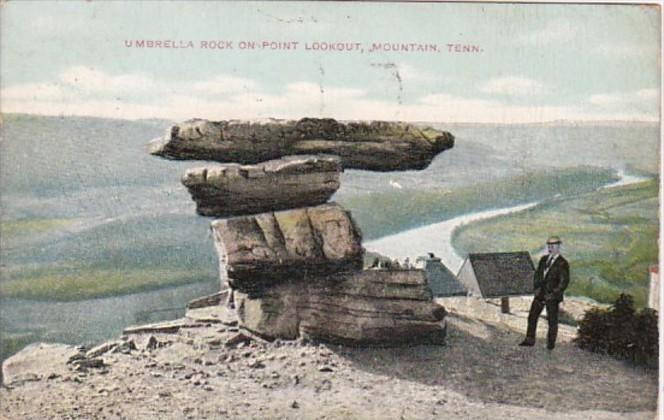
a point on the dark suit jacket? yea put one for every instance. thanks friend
(555, 282)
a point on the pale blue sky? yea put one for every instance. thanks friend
(538, 62)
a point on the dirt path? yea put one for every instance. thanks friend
(480, 373)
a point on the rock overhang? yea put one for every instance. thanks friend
(373, 145)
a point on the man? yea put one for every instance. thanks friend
(551, 280)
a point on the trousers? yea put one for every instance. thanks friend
(552, 314)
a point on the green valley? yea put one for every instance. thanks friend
(610, 238)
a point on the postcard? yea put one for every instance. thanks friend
(399, 210)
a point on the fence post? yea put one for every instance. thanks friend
(505, 304)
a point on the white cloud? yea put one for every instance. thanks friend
(224, 84)
(43, 91)
(413, 74)
(512, 85)
(407, 73)
(444, 100)
(648, 94)
(559, 30)
(643, 102)
(643, 99)
(80, 92)
(304, 88)
(328, 93)
(92, 108)
(628, 50)
(92, 80)
(447, 107)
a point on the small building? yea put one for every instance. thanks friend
(441, 280)
(498, 275)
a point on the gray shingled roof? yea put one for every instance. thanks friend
(442, 281)
(503, 273)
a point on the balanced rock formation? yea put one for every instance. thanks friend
(290, 182)
(292, 261)
(373, 307)
(376, 145)
(257, 251)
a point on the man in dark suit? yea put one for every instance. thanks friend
(551, 280)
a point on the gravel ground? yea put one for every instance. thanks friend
(199, 372)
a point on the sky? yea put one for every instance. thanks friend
(515, 62)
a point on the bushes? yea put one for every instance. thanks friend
(621, 332)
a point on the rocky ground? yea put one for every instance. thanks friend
(204, 366)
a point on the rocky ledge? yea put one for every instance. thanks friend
(211, 368)
(375, 307)
(375, 145)
(290, 182)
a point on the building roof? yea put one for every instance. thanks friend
(441, 280)
(503, 273)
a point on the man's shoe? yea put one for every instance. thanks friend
(527, 343)
(550, 346)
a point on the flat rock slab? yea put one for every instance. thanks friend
(103, 348)
(213, 314)
(280, 184)
(167, 327)
(379, 308)
(373, 145)
(38, 361)
(209, 300)
(258, 251)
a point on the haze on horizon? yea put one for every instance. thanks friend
(528, 63)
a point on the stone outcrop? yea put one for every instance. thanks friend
(292, 261)
(290, 182)
(373, 307)
(257, 251)
(376, 145)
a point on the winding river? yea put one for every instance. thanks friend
(437, 237)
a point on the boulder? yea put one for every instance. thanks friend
(258, 251)
(280, 184)
(380, 308)
(374, 145)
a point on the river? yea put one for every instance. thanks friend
(625, 179)
(437, 237)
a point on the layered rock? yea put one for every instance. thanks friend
(291, 182)
(362, 308)
(260, 250)
(294, 264)
(376, 145)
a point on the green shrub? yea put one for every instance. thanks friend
(620, 331)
